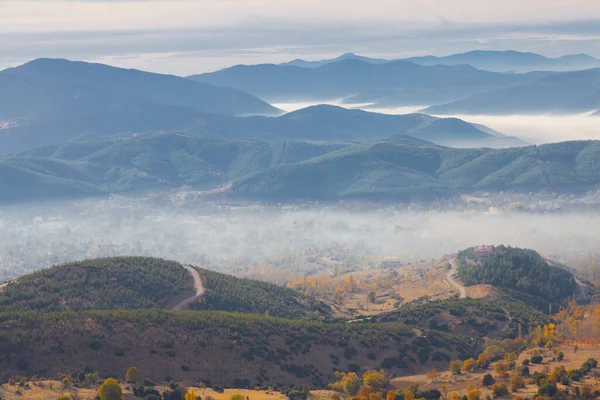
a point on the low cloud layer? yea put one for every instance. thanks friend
(223, 237)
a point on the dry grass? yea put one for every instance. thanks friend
(49, 390)
(8, 392)
(460, 383)
(421, 279)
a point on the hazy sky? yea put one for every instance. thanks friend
(194, 36)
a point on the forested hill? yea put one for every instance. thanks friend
(227, 293)
(407, 169)
(142, 282)
(517, 269)
(100, 284)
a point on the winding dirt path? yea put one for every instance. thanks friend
(197, 284)
(458, 286)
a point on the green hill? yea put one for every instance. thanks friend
(493, 318)
(101, 284)
(517, 269)
(409, 169)
(227, 293)
(223, 348)
(395, 169)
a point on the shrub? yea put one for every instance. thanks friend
(523, 370)
(547, 388)
(133, 375)
(537, 359)
(499, 390)
(488, 380)
(111, 390)
(516, 383)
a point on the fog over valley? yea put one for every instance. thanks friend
(238, 239)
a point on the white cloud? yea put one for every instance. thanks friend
(105, 15)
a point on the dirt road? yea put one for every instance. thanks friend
(197, 284)
(458, 286)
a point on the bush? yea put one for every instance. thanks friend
(488, 380)
(133, 375)
(525, 362)
(537, 359)
(560, 356)
(523, 370)
(111, 390)
(547, 388)
(499, 390)
(516, 383)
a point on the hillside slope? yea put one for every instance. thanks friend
(394, 169)
(221, 347)
(47, 101)
(101, 284)
(227, 293)
(408, 169)
(566, 93)
(141, 163)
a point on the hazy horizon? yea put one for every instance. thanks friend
(188, 36)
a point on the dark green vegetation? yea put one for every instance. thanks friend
(396, 82)
(499, 61)
(47, 101)
(493, 318)
(408, 169)
(570, 92)
(227, 293)
(518, 269)
(101, 284)
(221, 347)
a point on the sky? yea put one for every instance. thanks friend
(189, 36)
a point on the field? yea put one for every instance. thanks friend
(394, 287)
(50, 390)
(461, 383)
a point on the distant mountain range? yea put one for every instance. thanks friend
(47, 100)
(498, 61)
(413, 170)
(326, 123)
(395, 169)
(394, 83)
(565, 93)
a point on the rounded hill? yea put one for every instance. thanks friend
(100, 284)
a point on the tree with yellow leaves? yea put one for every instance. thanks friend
(349, 383)
(455, 367)
(501, 368)
(433, 374)
(378, 379)
(474, 395)
(190, 395)
(468, 365)
(482, 359)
